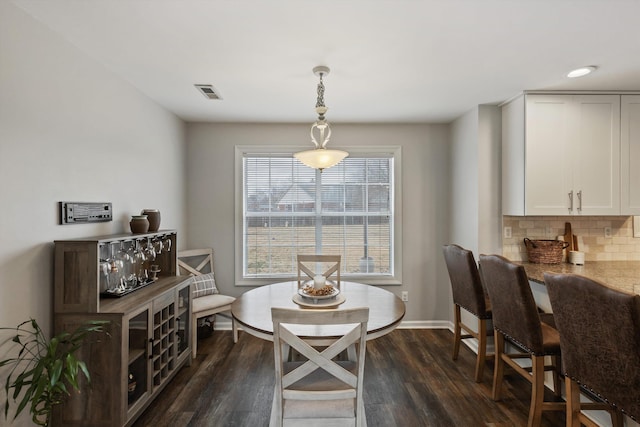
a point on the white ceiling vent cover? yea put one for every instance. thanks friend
(208, 91)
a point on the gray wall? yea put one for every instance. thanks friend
(464, 181)
(489, 179)
(70, 131)
(211, 210)
(475, 173)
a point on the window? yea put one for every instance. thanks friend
(288, 209)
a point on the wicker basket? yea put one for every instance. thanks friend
(545, 251)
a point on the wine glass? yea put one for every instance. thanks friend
(138, 263)
(116, 269)
(104, 267)
(157, 245)
(125, 255)
(166, 243)
(149, 253)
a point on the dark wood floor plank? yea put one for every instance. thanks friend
(410, 380)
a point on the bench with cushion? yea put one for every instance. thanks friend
(206, 301)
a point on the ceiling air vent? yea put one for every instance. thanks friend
(208, 91)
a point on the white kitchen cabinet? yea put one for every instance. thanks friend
(630, 155)
(561, 155)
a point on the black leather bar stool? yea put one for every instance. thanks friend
(516, 319)
(468, 293)
(600, 340)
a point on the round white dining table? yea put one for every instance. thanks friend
(252, 310)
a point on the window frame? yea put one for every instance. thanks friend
(394, 151)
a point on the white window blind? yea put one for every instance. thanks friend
(291, 209)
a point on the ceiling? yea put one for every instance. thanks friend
(402, 61)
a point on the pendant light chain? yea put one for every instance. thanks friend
(320, 101)
(320, 157)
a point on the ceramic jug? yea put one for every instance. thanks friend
(153, 215)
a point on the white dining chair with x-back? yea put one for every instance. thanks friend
(320, 389)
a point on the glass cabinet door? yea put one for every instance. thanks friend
(138, 359)
(183, 319)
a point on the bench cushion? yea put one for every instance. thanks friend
(209, 302)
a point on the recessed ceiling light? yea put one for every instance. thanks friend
(583, 71)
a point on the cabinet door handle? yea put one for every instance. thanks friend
(570, 201)
(150, 348)
(580, 201)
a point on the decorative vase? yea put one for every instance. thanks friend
(139, 224)
(153, 215)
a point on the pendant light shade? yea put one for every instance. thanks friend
(321, 157)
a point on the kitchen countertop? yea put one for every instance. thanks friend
(620, 275)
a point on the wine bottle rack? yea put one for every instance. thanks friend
(164, 340)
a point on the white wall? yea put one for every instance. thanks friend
(475, 185)
(475, 167)
(464, 181)
(489, 179)
(210, 197)
(70, 131)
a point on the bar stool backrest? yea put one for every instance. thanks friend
(600, 338)
(466, 285)
(515, 313)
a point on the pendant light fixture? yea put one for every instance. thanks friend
(321, 157)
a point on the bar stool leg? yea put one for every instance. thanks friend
(456, 331)
(537, 391)
(616, 418)
(573, 403)
(482, 349)
(498, 371)
(557, 390)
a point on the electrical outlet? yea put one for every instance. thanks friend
(607, 232)
(548, 232)
(507, 232)
(405, 296)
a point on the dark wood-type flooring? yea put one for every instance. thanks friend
(410, 380)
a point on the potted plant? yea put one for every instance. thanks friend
(44, 369)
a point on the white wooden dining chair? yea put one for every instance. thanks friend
(206, 301)
(311, 265)
(319, 390)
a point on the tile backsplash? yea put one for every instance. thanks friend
(621, 246)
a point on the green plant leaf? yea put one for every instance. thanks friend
(62, 389)
(56, 371)
(53, 345)
(39, 389)
(6, 362)
(85, 371)
(6, 400)
(22, 380)
(25, 399)
(72, 371)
